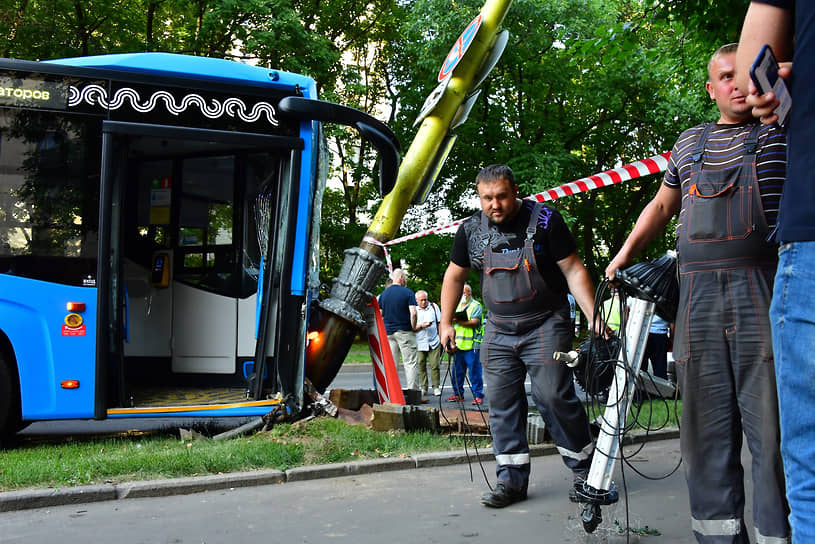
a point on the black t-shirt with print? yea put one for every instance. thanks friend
(552, 242)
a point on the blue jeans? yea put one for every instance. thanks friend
(792, 316)
(462, 362)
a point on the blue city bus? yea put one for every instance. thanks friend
(159, 217)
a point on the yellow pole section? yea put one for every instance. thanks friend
(418, 158)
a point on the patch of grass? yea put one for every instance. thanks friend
(358, 354)
(657, 414)
(162, 455)
(653, 415)
(121, 459)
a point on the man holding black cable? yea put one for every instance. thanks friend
(527, 260)
(724, 179)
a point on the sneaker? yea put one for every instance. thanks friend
(478, 401)
(437, 392)
(502, 496)
(455, 398)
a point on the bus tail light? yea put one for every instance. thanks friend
(69, 384)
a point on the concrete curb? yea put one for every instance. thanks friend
(43, 498)
(197, 484)
(369, 466)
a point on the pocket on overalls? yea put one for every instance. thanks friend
(509, 284)
(719, 208)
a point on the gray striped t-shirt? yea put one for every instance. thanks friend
(724, 150)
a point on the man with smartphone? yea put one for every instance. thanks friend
(724, 180)
(782, 24)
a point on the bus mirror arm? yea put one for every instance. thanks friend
(388, 156)
(376, 132)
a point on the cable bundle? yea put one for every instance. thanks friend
(656, 282)
(596, 364)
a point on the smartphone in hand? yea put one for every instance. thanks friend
(764, 73)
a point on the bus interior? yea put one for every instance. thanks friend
(196, 209)
(168, 230)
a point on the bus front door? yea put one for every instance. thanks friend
(188, 212)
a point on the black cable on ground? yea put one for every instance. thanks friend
(596, 405)
(466, 427)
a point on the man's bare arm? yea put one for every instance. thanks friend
(763, 24)
(451, 288)
(652, 221)
(580, 286)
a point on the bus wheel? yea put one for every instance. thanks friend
(10, 419)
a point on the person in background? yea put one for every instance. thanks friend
(720, 174)
(479, 336)
(612, 311)
(467, 320)
(783, 24)
(398, 304)
(427, 339)
(656, 348)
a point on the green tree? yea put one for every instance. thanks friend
(582, 87)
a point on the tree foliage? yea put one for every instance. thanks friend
(584, 86)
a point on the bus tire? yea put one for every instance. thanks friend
(10, 416)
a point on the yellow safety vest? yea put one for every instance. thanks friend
(611, 311)
(464, 335)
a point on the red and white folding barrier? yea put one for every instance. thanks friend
(385, 374)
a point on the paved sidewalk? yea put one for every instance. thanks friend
(41, 498)
(437, 504)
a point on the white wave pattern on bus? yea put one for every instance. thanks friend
(232, 107)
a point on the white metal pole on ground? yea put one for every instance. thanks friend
(621, 393)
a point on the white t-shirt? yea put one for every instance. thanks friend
(428, 338)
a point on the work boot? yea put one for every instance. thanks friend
(502, 496)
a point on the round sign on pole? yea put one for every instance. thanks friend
(459, 48)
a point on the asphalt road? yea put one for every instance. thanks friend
(407, 506)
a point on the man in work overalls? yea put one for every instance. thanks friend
(527, 259)
(725, 181)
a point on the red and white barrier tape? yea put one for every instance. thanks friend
(651, 165)
(374, 241)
